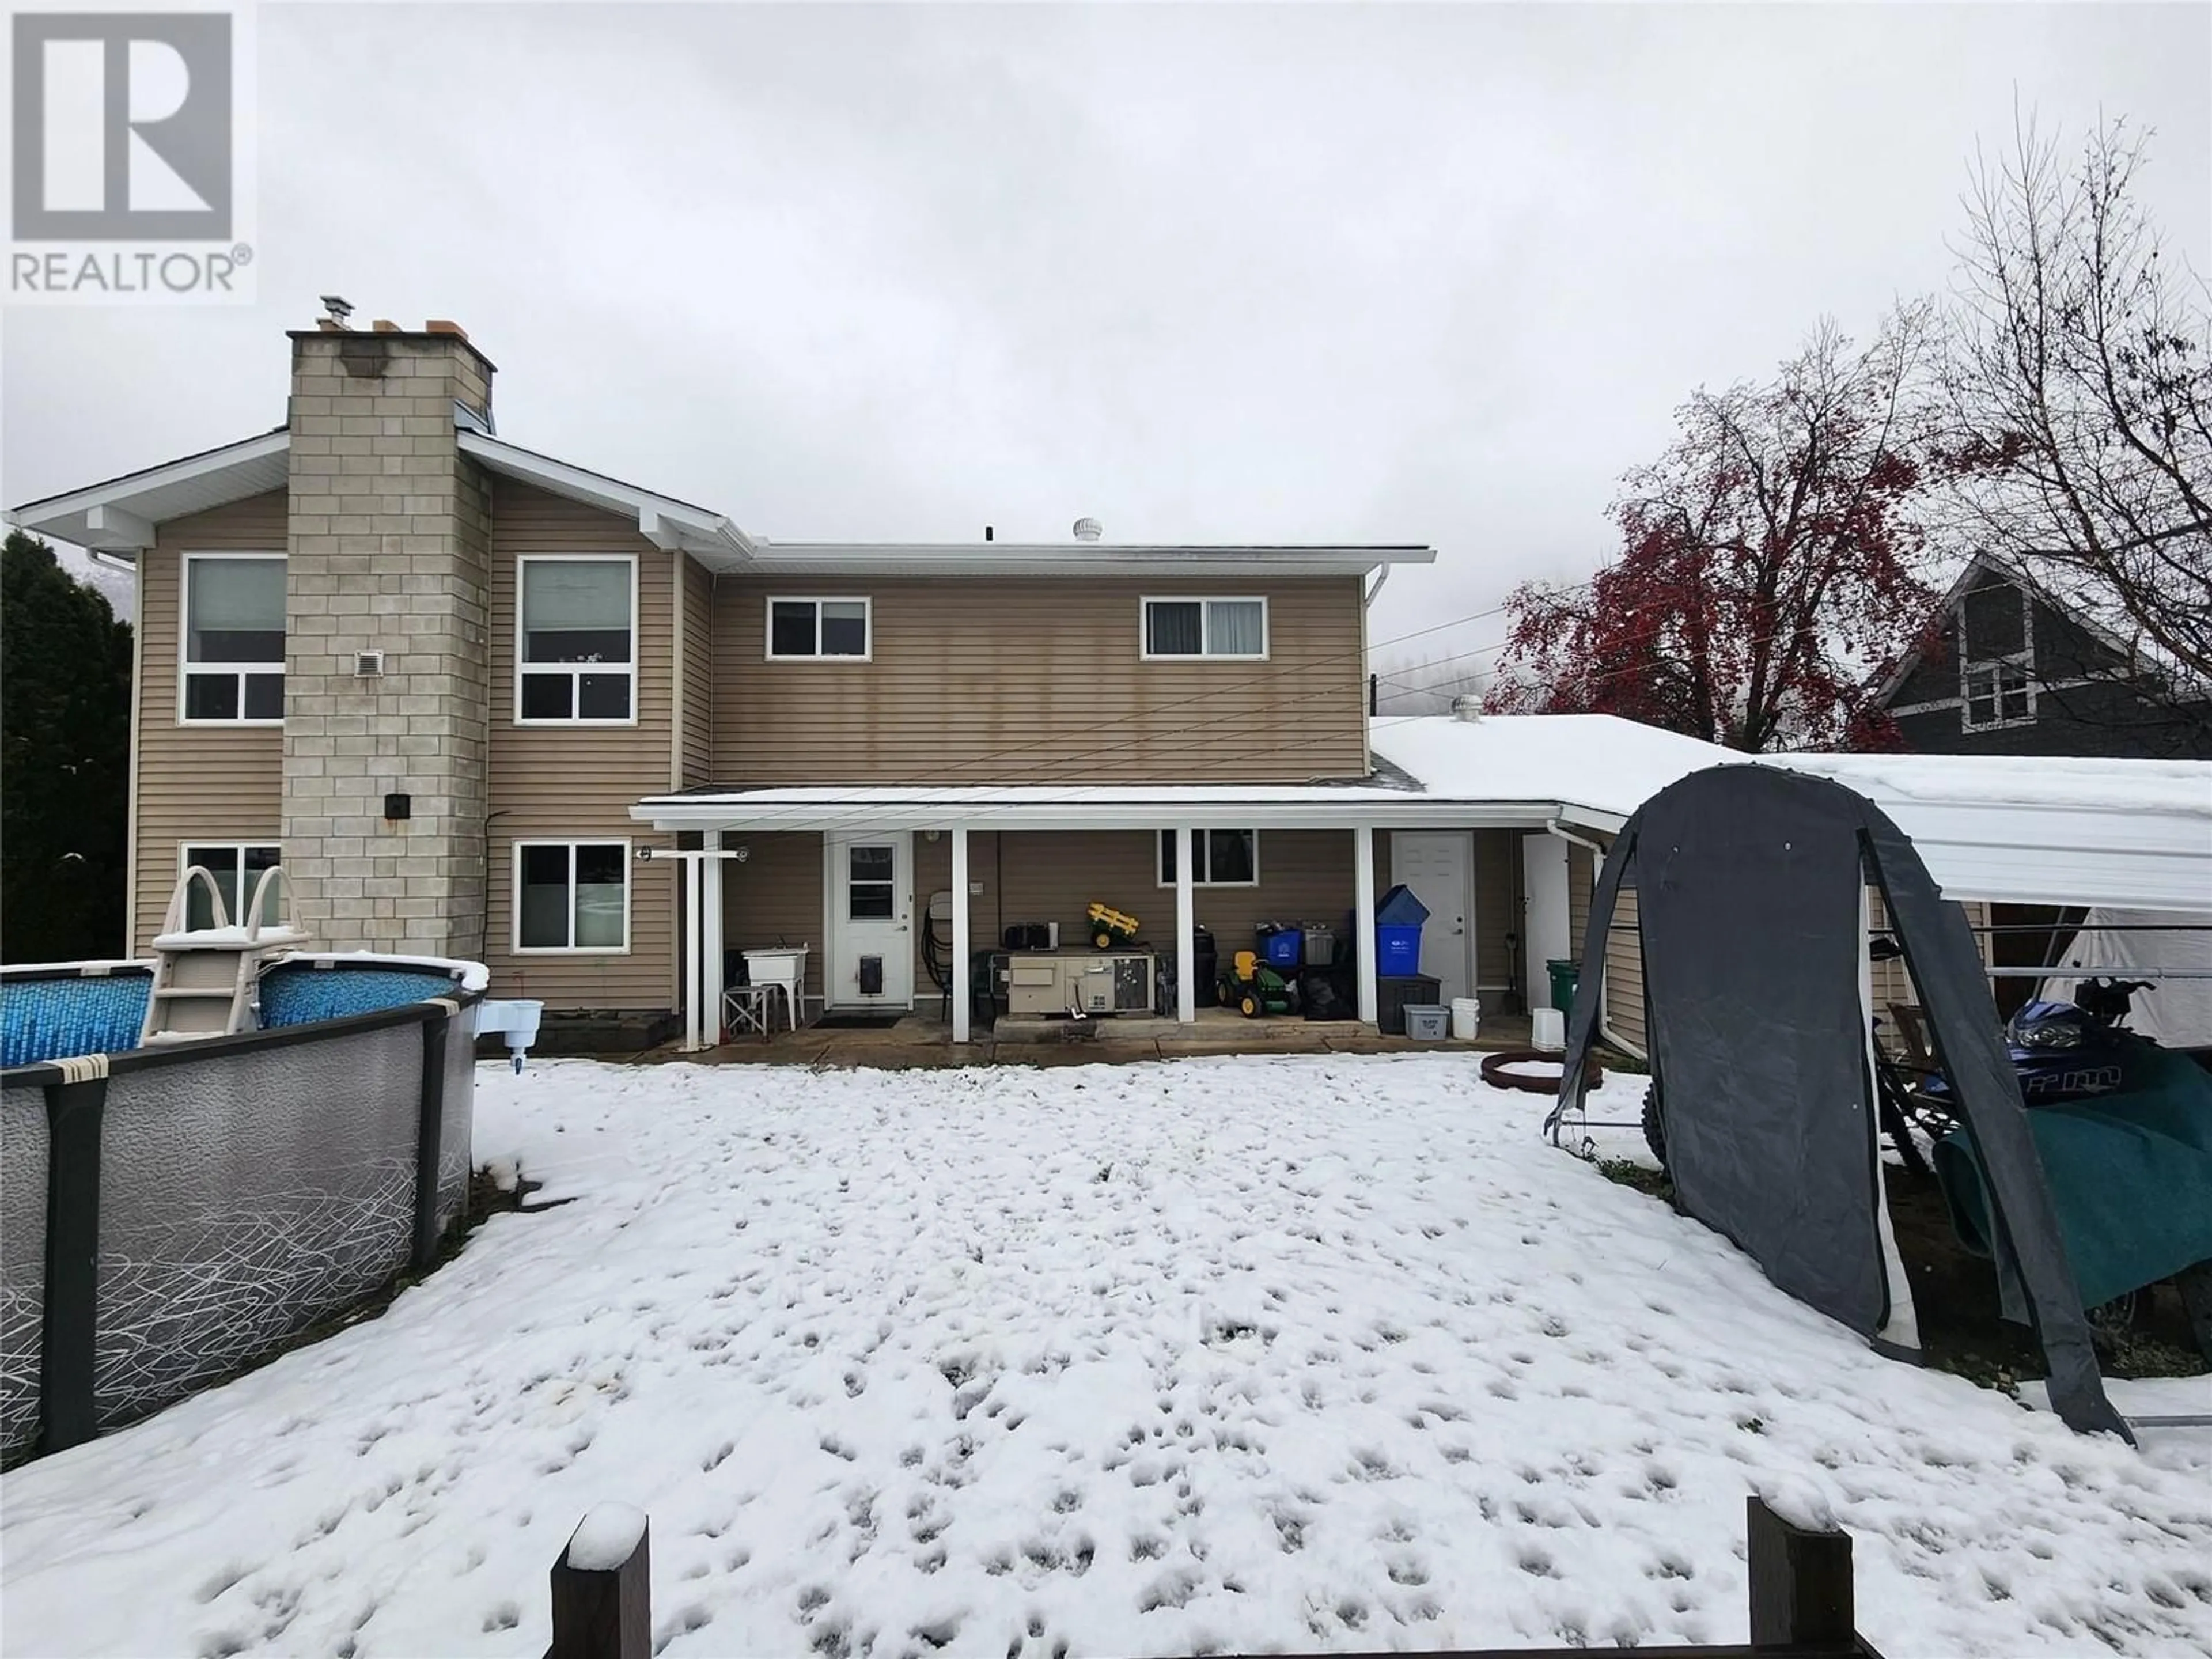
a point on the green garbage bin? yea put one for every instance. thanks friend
(1564, 975)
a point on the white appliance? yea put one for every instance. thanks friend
(1080, 981)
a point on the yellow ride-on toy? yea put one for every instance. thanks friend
(1110, 927)
(1253, 989)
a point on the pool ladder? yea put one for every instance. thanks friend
(203, 977)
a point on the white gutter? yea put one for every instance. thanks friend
(1380, 577)
(981, 811)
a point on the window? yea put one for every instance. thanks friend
(1997, 658)
(1234, 629)
(237, 871)
(871, 883)
(1998, 694)
(576, 660)
(1219, 858)
(233, 670)
(572, 895)
(809, 629)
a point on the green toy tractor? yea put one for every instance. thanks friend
(1253, 989)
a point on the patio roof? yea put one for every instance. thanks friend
(2130, 834)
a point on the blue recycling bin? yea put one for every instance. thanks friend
(1398, 918)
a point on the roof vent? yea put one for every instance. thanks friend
(1088, 530)
(1466, 709)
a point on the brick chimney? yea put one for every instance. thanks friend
(388, 553)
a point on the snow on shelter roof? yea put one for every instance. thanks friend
(2131, 833)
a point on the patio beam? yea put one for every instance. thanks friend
(1363, 919)
(962, 1000)
(1185, 933)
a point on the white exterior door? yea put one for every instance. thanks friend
(871, 892)
(1544, 873)
(1440, 870)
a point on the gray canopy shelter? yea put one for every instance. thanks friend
(1750, 886)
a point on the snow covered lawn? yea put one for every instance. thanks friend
(1304, 1352)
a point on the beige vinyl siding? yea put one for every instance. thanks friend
(196, 783)
(775, 897)
(1037, 679)
(698, 767)
(1496, 857)
(1305, 875)
(1623, 972)
(563, 783)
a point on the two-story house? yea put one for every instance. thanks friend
(456, 688)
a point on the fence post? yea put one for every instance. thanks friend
(75, 1108)
(1801, 1584)
(430, 1130)
(602, 1587)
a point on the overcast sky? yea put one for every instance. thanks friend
(1434, 274)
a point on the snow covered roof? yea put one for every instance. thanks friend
(1598, 766)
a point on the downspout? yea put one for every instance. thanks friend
(1366, 736)
(1558, 827)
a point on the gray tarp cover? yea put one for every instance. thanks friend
(1749, 882)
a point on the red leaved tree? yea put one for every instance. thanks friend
(1769, 574)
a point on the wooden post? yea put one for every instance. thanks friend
(1801, 1584)
(603, 1607)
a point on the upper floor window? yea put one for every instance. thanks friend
(1219, 857)
(233, 639)
(576, 651)
(1997, 658)
(812, 628)
(1234, 629)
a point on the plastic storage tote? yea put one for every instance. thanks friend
(1427, 1022)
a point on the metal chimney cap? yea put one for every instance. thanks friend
(1088, 530)
(1466, 709)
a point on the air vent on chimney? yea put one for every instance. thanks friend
(368, 665)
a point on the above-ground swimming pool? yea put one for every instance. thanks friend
(170, 1212)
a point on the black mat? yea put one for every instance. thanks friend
(865, 1020)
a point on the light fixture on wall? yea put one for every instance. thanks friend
(743, 853)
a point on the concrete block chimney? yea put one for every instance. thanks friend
(388, 548)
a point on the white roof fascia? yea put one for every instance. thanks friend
(1329, 808)
(119, 515)
(661, 519)
(1073, 559)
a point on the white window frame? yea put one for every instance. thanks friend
(575, 670)
(1146, 653)
(770, 653)
(237, 670)
(572, 843)
(2022, 660)
(186, 848)
(1164, 838)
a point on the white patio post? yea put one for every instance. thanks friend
(1186, 934)
(693, 878)
(710, 936)
(1363, 919)
(961, 999)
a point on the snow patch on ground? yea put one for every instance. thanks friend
(1293, 1352)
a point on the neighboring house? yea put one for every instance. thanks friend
(2016, 673)
(456, 688)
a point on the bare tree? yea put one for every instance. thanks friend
(1428, 684)
(2076, 395)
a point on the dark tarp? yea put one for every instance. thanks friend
(1749, 883)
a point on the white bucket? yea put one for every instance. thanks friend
(1466, 1017)
(1547, 1030)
